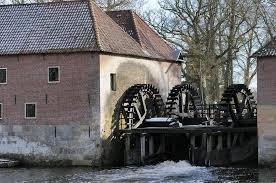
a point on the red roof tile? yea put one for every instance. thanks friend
(135, 26)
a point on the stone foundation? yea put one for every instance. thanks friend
(48, 145)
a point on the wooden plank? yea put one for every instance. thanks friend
(191, 130)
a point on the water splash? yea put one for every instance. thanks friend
(167, 171)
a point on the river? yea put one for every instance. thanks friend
(166, 172)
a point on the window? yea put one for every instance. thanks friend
(3, 75)
(113, 83)
(53, 74)
(30, 110)
(1, 110)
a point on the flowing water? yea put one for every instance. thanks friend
(167, 171)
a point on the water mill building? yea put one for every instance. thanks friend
(266, 65)
(63, 67)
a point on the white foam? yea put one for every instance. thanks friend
(167, 170)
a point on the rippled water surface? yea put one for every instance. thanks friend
(164, 172)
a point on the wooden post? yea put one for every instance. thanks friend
(142, 148)
(151, 145)
(192, 148)
(127, 157)
(162, 145)
(229, 140)
(220, 145)
(209, 149)
(204, 141)
(209, 143)
(235, 139)
(241, 138)
(203, 146)
(192, 141)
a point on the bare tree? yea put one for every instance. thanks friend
(213, 34)
(119, 4)
(105, 4)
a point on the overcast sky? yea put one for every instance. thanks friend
(152, 4)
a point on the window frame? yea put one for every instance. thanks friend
(2, 68)
(52, 67)
(113, 81)
(1, 111)
(25, 111)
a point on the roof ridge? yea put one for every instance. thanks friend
(118, 10)
(135, 27)
(44, 3)
(94, 21)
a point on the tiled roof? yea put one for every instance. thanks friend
(49, 27)
(143, 34)
(111, 37)
(76, 26)
(268, 50)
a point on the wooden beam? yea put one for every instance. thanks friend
(142, 148)
(151, 145)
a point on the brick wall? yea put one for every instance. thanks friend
(67, 101)
(266, 85)
(67, 128)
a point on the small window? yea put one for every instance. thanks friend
(1, 110)
(3, 75)
(30, 110)
(53, 74)
(113, 83)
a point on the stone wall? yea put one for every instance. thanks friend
(266, 81)
(129, 71)
(67, 127)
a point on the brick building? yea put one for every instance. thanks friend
(266, 81)
(58, 62)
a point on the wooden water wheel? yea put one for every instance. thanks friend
(140, 102)
(238, 107)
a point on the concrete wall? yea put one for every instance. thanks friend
(60, 133)
(129, 71)
(266, 84)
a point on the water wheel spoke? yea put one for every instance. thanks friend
(137, 110)
(143, 100)
(186, 108)
(237, 104)
(180, 103)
